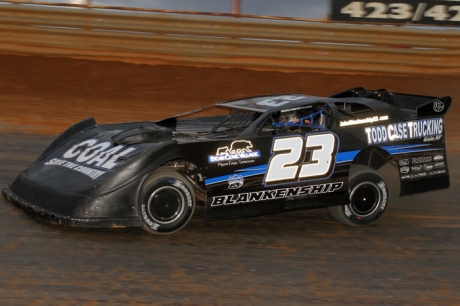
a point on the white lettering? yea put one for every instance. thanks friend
(92, 153)
(112, 162)
(92, 173)
(75, 150)
(405, 130)
(275, 194)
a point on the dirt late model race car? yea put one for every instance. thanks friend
(352, 152)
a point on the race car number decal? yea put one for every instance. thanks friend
(298, 158)
(278, 101)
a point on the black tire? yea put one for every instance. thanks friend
(368, 198)
(167, 202)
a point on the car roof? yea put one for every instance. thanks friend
(292, 100)
(272, 102)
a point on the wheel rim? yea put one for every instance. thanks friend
(165, 205)
(365, 199)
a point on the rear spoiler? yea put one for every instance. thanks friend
(423, 105)
(434, 107)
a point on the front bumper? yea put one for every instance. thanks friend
(55, 218)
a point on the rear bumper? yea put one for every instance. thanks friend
(55, 218)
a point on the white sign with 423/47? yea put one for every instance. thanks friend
(414, 11)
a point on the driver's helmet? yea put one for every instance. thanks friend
(290, 117)
(313, 117)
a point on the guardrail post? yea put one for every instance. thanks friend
(236, 7)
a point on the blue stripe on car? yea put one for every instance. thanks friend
(342, 157)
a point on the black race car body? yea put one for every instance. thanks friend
(352, 152)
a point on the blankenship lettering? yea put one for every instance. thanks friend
(275, 194)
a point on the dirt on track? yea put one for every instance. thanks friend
(46, 95)
(298, 258)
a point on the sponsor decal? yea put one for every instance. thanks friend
(417, 168)
(422, 159)
(238, 150)
(404, 169)
(275, 194)
(235, 181)
(90, 172)
(295, 109)
(92, 157)
(438, 106)
(437, 172)
(411, 176)
(279, 100)
(423, 174)
(404, 130)
(439, 165)
(427, 167)
(432, 138)
(403, 162)
(363, 121)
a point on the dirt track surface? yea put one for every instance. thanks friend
(409, 258)
(45, 95)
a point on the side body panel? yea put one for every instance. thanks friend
(273, 173)
(416, 148)
(254, 176)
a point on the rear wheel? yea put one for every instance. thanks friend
(368, 198)
(167, 202)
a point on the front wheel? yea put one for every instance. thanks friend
(368, 198)
(167, 202)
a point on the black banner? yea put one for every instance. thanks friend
(438, 12)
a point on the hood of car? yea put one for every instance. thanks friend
(91, 154)
(103, 147)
